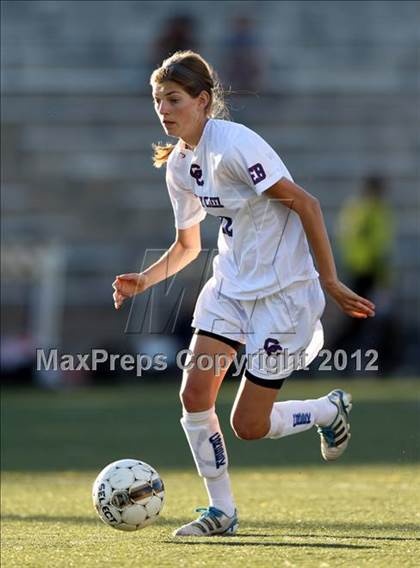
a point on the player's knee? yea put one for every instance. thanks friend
(188, 399)
(246, 429)
(248, 432)
(193, 399)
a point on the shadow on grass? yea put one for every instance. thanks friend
(50, 519)
(359, 537)
(222, 541)
(293, 531)
(336, 526)
(93, 520)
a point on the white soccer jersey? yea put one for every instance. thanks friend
(262, 245)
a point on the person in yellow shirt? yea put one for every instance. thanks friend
(365, 237)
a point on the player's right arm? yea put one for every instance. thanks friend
(183, 251)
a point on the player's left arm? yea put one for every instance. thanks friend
(309, 210)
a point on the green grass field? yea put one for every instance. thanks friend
(294, 509)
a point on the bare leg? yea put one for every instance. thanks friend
(250, 418)
(199, 388)
(255, 413)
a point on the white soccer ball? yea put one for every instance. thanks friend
(128, 494)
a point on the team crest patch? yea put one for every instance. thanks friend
(257, 173)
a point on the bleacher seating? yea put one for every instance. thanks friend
(340, 100)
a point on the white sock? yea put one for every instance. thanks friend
(207, 446)
(295, 416)
(220, 493)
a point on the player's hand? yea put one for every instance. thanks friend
(126, 286)
(351, 304)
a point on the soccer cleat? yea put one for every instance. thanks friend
(336, 436)
(211, 522)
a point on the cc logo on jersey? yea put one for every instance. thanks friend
(197, 173)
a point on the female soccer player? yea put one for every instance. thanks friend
(264, 293)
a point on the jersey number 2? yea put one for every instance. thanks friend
(226, 225)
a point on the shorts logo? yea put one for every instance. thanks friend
(197, 173)
(257, 173)
(301, 418)
(272, 346)
(219, 451)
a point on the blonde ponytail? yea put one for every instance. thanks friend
(161, 154)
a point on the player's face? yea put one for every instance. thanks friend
(178, 112)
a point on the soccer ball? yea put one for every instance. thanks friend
(128, 495)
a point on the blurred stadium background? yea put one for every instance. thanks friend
(333, 87)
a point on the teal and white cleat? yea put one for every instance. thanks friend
(336, 436)
(211, 522)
